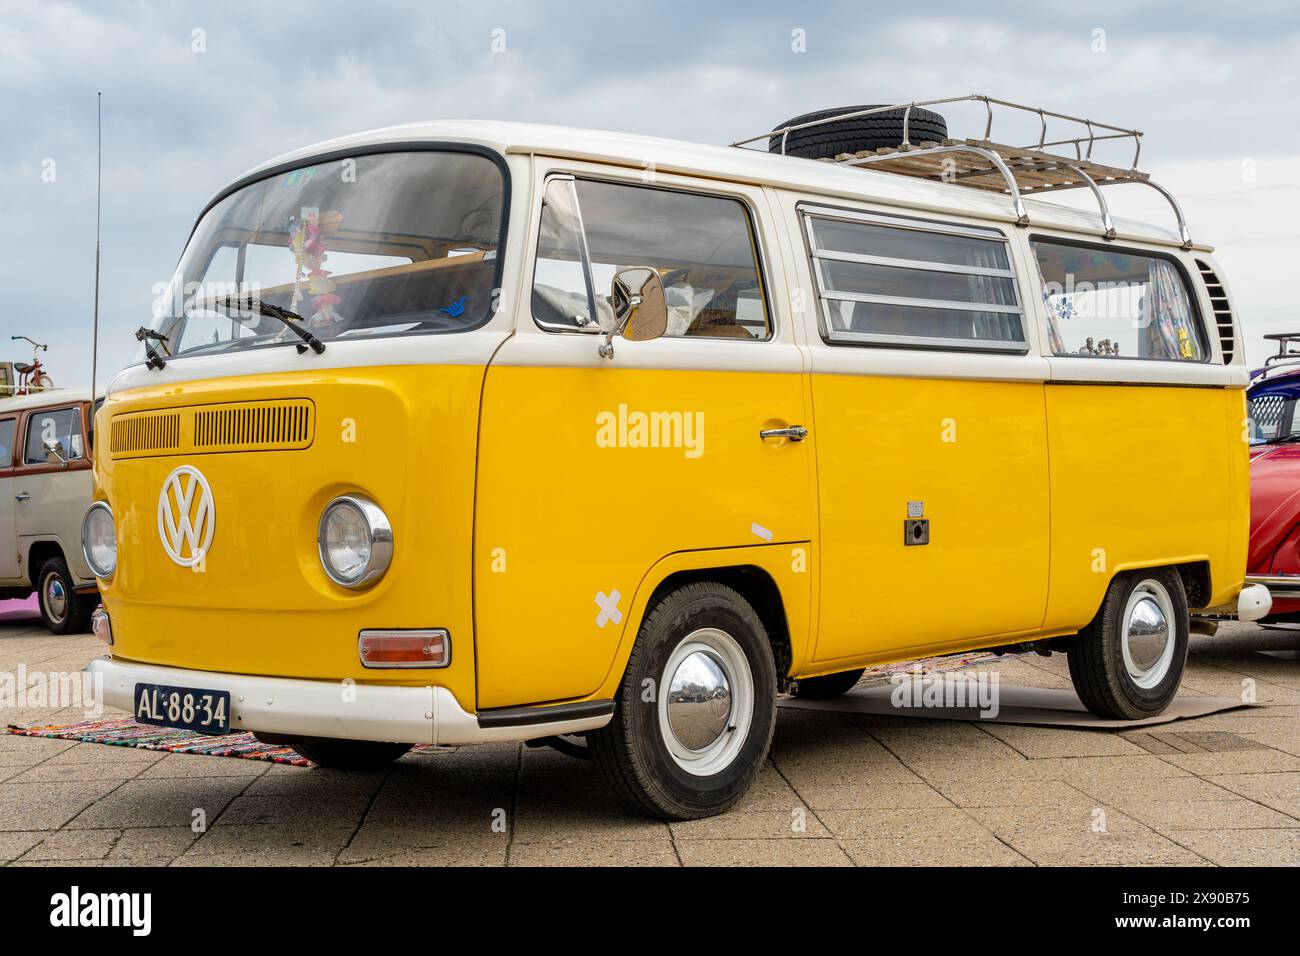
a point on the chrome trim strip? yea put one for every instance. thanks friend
(921, 265)
(834, 296)
(987, 233)
(1280, 584)
(922, 342)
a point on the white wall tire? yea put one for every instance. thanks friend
(63, 610)
(695, 712)
(1128, 662)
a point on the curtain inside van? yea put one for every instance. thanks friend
(1171, 333)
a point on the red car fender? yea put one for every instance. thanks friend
(1267, 535)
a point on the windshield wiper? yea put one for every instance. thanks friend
(291, 320)
(152, 358)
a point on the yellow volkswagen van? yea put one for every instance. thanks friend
(463, 431)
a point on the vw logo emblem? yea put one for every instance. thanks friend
(187, 516)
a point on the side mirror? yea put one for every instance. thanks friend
(54, 453)
(640, 311)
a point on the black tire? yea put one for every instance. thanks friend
(1096, 655)
(349, 754)
(879, 130)
(63, 610)
(828, 685)
(631, 750)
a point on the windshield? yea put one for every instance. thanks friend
(393, 243)
(1272, 418)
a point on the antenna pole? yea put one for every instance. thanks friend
(99, 167)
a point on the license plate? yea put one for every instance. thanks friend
(189, 708)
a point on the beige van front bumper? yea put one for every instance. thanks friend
(312, 708)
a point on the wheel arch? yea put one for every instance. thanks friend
(765, 576)
(40, 551)
(1195, 573)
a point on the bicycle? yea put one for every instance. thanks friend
(32, 378)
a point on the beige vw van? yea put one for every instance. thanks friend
(45, 488)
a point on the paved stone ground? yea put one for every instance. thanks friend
(838, 791)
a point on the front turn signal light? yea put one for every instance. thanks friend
(101, 626)
(416, 648)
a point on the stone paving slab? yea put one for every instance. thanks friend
(838, 790)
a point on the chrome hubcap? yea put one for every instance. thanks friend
(1147, 642)
(56, 598)
(708, 704)
(699, 701)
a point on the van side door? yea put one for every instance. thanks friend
(10, 570)
(931, 434)
(53, 495)
(592, 469)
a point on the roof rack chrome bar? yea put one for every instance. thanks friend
(1178, 212)
(1022, 217)
(1184, 234)
(1107, 225)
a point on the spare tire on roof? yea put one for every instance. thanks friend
(828, 140)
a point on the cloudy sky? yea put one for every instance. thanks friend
(194, 93)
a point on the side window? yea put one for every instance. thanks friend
(893, 281)
(1109, 303)
(8, 431)
(62, 425)
(702, 247)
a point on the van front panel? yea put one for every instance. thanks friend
(260, 602)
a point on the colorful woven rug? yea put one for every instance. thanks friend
(125, 732)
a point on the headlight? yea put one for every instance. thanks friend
(355, 541)
(99, 540)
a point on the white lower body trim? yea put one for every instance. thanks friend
(313, 708)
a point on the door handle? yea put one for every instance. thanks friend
(22, 496)
(794, 433)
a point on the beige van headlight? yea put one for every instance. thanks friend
(355, 541)
(99, 539)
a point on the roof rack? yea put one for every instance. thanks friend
(1016, 171)
(1285, 354)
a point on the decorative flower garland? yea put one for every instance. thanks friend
(307, 241)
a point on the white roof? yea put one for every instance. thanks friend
(731, 163)
(42, 399)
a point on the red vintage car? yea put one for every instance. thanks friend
(1274, 556)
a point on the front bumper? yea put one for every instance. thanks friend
(312, 708)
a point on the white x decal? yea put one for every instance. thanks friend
(608, 608)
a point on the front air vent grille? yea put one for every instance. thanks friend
(253, 426)
(148, 433)
(279, 425)
(1222, 311)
